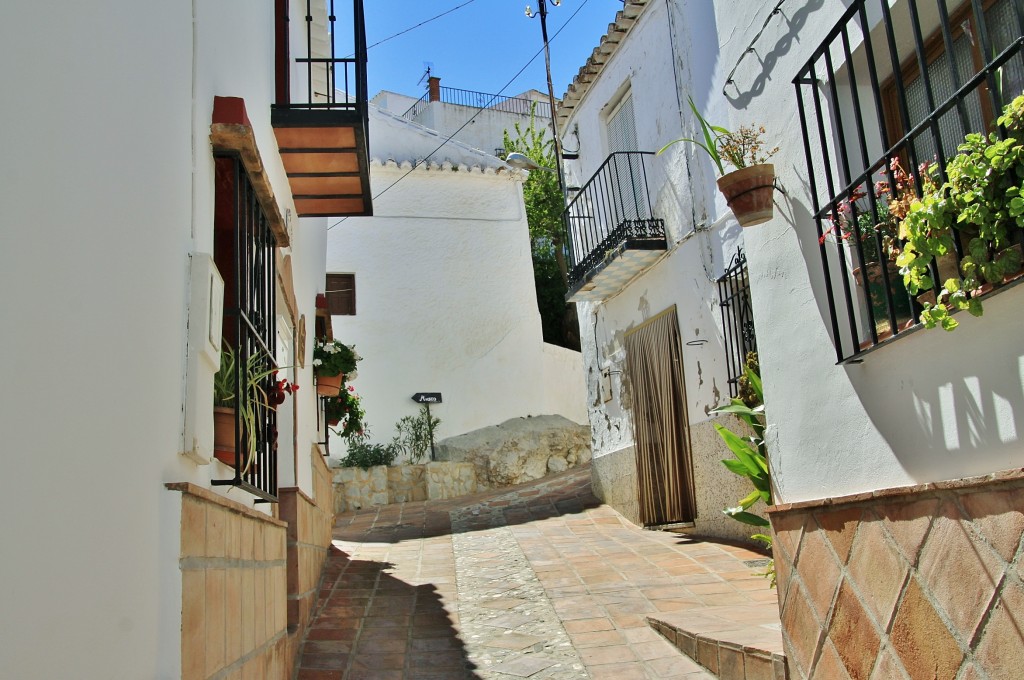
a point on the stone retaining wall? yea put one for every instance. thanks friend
(356, 488)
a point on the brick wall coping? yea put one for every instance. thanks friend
(210, 497)
(1011, 475)
(297, 491)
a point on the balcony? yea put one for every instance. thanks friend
(612, 235)
(322, 137)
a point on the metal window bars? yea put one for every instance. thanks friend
(330, 79)
(737, 319)
(250, 329)
(877, 89)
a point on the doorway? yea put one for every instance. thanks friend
(654, 363)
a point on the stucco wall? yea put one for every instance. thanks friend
(104, 200)
(928, 407)
(445, 293)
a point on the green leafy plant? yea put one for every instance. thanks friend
(261, 389)
(983, 199)
(545, 203)
(741, 149)
(415, 433)
(333, 357)
(363, 454)
(751, 453)
(346, 413)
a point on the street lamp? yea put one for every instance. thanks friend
(542, 11)
(524, 162)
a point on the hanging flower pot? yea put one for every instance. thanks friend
(748, 191)
(329, 385)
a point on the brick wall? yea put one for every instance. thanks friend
(309, 536)
(233, 577)
(918, 582)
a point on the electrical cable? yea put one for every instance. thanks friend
(423, 160)
(422, 23)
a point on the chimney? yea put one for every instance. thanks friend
(434, 88)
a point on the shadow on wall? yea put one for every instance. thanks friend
(739, 93)
(961, 415)
(369, 622)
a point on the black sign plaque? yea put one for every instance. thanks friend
(427, 397)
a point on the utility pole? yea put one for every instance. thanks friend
(542, 11)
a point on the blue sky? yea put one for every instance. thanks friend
(481, 45)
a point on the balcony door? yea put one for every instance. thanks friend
(627, 186)
(654, 364)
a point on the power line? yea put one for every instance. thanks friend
(479, 111)
(422, 23)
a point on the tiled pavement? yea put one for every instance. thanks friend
(539, 581)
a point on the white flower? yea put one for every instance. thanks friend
(317, 362)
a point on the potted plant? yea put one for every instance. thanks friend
(346, 412)
(332, 361)
(982, 200)
(261, 389)
(748, 189)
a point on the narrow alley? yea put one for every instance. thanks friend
(537, 581)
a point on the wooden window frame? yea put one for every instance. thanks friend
(341, 302)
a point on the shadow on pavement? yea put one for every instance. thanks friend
(370, 625)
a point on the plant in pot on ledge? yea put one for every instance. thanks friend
(262, 390)
(748, 189)
(983, 200)
(332, 362)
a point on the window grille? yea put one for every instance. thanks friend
(880, 89)
(737, 319)
(244, 252)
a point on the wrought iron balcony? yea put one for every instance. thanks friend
(612, 234)
(322, 137)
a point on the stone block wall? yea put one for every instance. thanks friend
(615, 482)
(356, 488)
(234, 583)
(310, 520)
(915, 582)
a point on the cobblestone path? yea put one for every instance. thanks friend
(539, 581)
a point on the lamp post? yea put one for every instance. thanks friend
(542, 11)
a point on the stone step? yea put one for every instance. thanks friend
(732, 642)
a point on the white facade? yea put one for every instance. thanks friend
(927, 407)
(445, 292)
(643, 66)
(108, 189)
(481, 129)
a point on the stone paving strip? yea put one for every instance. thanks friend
(539, 581)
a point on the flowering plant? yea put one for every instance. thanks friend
(854, 217)
(332, 358)
(741, 149)
(347, 412)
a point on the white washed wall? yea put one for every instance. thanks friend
(644, 65)
(931, 406)
(107, 189)
(445, 297)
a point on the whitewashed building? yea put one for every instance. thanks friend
(895, 450)
(167, 202)
(474, 118)
(647, 249)
(441, 287)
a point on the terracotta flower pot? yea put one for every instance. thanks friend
(224, 432)
(748, 191)
(329, 385)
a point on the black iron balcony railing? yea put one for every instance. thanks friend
(612, 212)
(737, 319)
(892, 89)
(480, 100)
(332, 82)
(245, 252)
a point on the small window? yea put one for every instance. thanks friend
(341, 294)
